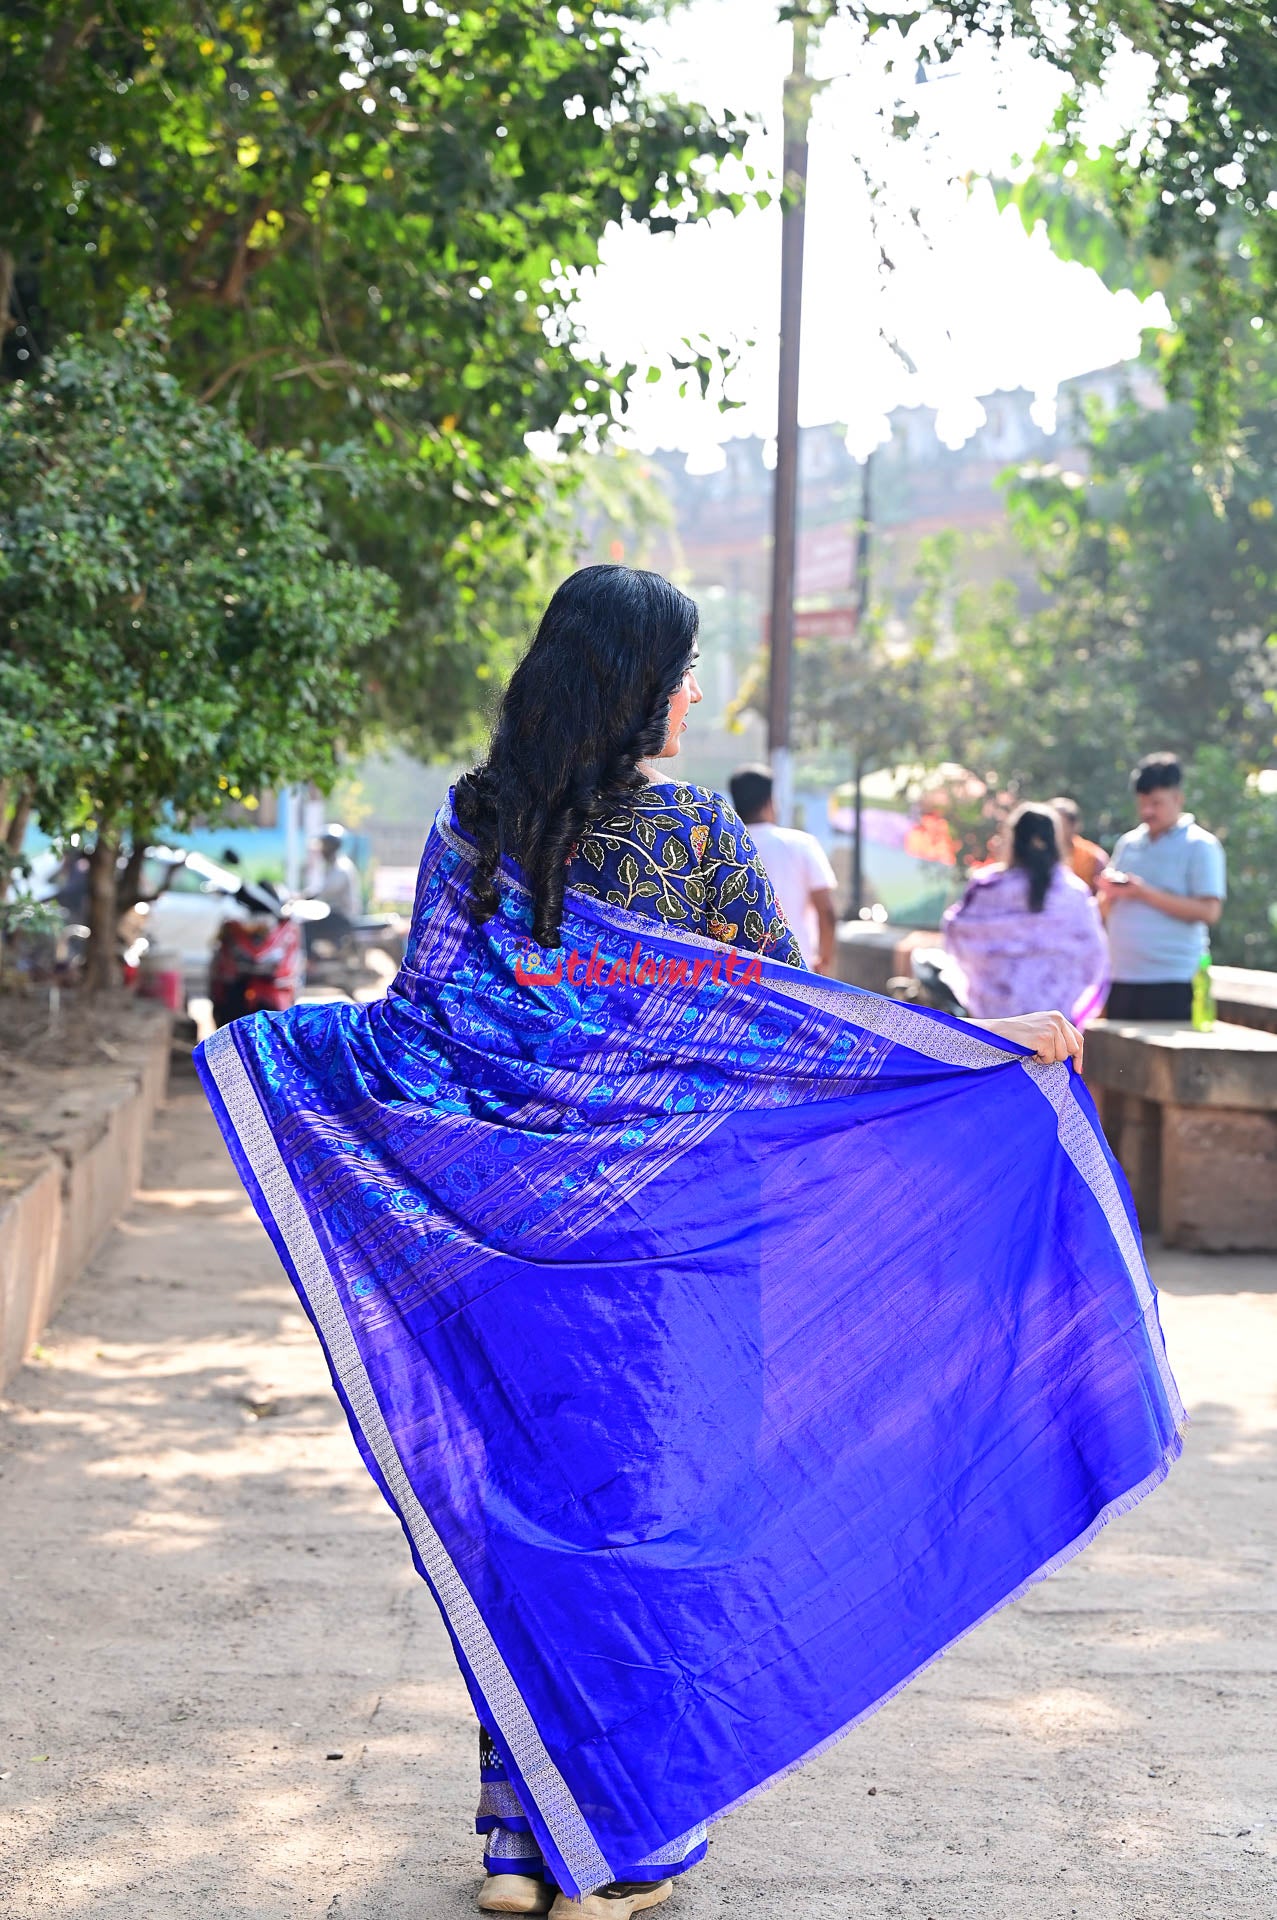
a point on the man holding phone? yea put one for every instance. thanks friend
(1164, 888)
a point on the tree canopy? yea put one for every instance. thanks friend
(366, 218)
(175, 632)
(1183, 199)
(1159, 632)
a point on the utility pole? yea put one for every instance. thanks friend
(863, 583)
(785, 496)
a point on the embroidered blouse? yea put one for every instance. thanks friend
(683, 855)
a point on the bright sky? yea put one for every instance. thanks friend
(976, 302)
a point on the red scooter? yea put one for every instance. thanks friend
(259, 962)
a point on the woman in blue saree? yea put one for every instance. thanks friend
(720, 1362)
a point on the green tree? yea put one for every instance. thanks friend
(862, 701)
(175, 634)
(1160, 631)
(1181, 202)
(1189, 188)
(1223, 792)
(367, 217)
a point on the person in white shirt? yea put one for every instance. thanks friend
(797, 866)
(340, 886)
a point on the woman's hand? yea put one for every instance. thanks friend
(1050, 1035)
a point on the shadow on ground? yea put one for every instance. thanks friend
(227, 1695)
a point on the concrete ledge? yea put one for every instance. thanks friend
(66, 1181)
(1246, 996)
(30, 1243)
(1192, 1117)
(870, 952)
(1232, 1066)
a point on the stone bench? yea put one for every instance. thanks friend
(1192, 1117)
(1246, 996)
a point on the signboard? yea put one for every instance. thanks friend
(818, 623)
(826, 560)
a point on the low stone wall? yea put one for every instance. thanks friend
(1192, 1117)
(1246, 996)
(870, 953)
(69, 1165)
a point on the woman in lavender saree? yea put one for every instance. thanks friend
(727, 1341)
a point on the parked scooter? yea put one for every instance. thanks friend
(258, 964)
(339, 950)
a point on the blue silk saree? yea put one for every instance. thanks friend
(727, 1341)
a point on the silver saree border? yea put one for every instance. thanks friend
(553, 1799)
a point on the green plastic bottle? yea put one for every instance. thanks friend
(1203, 997)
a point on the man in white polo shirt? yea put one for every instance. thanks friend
(1164, 889)
(797, 866)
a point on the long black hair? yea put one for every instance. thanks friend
(1035, 848)
(587, 702)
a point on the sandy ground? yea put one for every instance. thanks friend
(225, 1694)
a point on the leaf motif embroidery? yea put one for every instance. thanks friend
(645, 831)
(628, 872)
(736, 885)
(674, 856)
(755, 931)
(594, 854)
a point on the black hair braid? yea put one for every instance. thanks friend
(477, 812)
(1035, 848)
(588, 701)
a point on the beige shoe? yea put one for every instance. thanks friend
(515, 1893)
(617, 1902)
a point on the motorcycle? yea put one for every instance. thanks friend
(258, 963)
(339, 951)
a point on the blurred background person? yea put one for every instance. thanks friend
(1087, 859)
(1027, 933)
(339, 884)
(1163, 892)
(797, 866)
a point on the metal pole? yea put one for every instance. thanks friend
(785, 496)
(863, 551)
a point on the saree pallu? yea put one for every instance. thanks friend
(728, 1341)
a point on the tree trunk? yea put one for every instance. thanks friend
(129, 888)
(6, 291)
(99, 965)
(16, 829)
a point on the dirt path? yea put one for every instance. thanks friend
(226, 1696)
